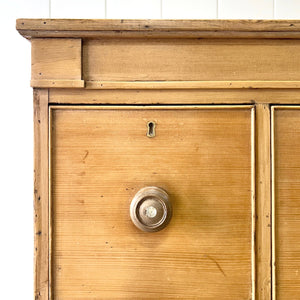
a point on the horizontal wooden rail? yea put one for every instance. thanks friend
(164, 85)
(108, 85)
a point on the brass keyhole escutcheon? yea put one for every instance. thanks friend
(151, 129)
(151, 209)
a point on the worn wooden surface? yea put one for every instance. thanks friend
(263, 202)
(189, 60)
(159, 28)
(101, 157)
(180, 85)
(55, 59)
(287, 201)
(160, 25)
(137, 62)
(203, 96)
(41, 195)
(56, 83)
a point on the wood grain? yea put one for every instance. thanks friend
(88, 34)
(202, 96)
(191, 60)
(159, 25)
(56, 59)
(101, 157)
(164, 85)
(286, 199)
(263, 202)
(159, 28)
(41, 195)
(47, 83)
(137, 85)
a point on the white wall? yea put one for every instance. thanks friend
(175, 9)
(16, 148)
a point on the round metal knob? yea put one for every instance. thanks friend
(151, 209)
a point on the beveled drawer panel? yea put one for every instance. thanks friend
(286, 188)
(202, 156)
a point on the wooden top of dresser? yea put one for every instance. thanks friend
(91, 28)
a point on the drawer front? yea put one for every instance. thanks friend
(286, 187)
(201, 156)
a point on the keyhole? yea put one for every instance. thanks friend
(151, 129)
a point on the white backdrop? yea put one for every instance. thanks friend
(16, 126)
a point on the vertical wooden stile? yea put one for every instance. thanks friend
(273, 287)
(263, 203)
(41, 195)
(253, 202)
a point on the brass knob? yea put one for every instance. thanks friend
(151, 209)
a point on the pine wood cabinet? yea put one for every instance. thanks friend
(166, 158)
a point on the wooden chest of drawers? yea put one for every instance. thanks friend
(167, 161)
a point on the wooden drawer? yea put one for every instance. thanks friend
(201, 155)
(286, 186)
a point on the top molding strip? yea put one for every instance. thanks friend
(92, 28)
